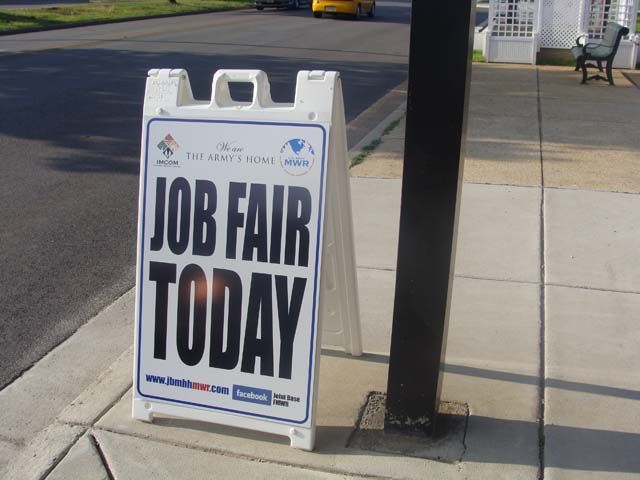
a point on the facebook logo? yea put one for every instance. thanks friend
(252, 395)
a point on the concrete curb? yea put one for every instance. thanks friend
(378, 131)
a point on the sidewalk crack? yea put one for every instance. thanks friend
(112, 404)
(542, 333)
(593, 289)
(492, 279)
(61, 456)
(102, 456)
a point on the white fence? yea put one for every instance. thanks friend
(511, 35)
(518, 29)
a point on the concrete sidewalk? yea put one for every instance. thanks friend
(543, 341)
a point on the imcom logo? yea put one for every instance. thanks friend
(297, 156)
(168, 146)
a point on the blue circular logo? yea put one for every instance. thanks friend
(297, 156)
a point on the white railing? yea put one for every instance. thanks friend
(601, 12)
(511, 35)
(512, 18)
(561, 22)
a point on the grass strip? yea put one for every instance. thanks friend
(389, 128)
(365, 152)
(23, 19)
(477, 56)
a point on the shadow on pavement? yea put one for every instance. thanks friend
(90, 101)
(508, 377)
(488, 440)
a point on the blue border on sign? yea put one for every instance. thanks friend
(312, 349)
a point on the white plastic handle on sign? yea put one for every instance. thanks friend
(221, 95)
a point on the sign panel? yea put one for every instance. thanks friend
(229, 263)
(239, 204)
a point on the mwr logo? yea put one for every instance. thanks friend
(168, 146)
(297, 156)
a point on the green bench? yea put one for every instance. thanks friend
(603, 51)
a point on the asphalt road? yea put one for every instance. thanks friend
(70, 133)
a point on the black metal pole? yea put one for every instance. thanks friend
(439, 74)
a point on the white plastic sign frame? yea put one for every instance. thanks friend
(201, 164)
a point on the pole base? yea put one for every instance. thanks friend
(445, 445)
